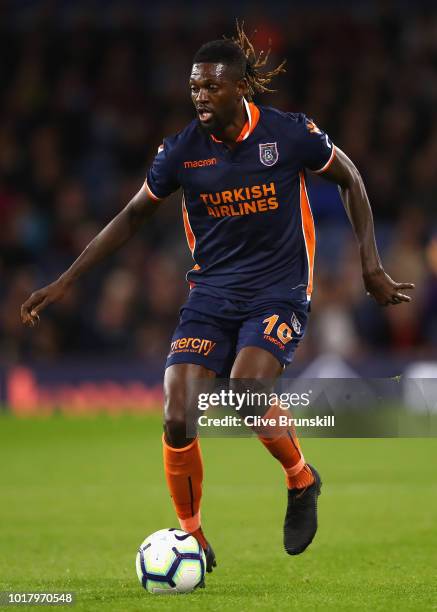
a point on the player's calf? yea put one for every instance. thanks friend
(183, 463)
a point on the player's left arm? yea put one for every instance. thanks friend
(353, 194)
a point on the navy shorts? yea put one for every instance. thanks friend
(212, 331)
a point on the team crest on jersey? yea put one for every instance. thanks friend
(295, 324)
(268, 153)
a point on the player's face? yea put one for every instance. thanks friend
(216, 95)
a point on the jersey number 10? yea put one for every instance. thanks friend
(283, 331)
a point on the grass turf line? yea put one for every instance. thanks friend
(79, 496)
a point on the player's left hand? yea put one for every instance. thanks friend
(384, 289)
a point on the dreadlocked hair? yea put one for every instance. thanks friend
(240, 53)
(257, 79)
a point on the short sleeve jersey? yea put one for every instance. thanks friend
(246, 211)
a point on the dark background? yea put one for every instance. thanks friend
(89, 89)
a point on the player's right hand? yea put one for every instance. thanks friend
(38, 300)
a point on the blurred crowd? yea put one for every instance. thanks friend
(89, 90)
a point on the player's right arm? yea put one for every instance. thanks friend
(112, 237)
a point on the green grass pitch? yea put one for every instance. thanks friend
(79, 495)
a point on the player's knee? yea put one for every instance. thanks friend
(175, 422)
(175, 428)
(180, 402)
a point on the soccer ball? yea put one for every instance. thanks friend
(170, 561)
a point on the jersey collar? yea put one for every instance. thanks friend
(252, 113)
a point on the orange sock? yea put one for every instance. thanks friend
(286, 449)
(198, 534)
(184, 474)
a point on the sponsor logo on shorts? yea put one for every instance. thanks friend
(192, 345)
(295, 324)
(274, 341)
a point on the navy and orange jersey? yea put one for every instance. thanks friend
(246, 211)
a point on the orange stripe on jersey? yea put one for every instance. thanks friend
(191, 239)
(328, 163)
(309, 232)
(150, 192)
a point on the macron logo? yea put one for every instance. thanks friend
(199, 163)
